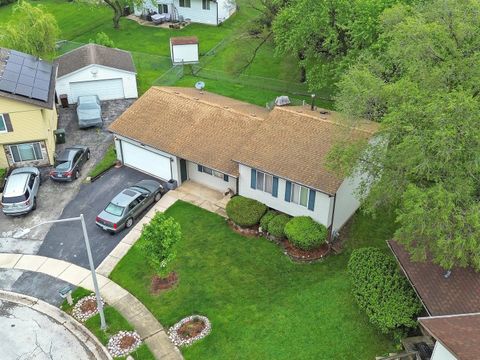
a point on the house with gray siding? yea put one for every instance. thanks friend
(277, 157)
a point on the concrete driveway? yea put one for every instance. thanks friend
(53, 197)
(65, 240)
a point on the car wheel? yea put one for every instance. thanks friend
(158, 196)
(129, 223)
(34, 203)
(77, 174)
(88, 155)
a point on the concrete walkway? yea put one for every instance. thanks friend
(149, 329)
(57, 335)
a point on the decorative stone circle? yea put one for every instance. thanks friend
(123, 343)
(85, 308)
(179, 340)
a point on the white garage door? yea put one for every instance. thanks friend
(105, 89)
(146, 160)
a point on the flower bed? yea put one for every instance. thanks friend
(246, 231)
(123, 343)
(189, 330)
(85, 308)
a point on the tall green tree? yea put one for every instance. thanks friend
(328, 35)
(422, 83)
(31, 30)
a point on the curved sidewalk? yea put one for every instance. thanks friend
(149, 329)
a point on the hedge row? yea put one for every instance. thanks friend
(380, 290)
(302, 231)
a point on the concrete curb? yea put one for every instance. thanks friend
(73, 326)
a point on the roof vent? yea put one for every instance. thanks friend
(447, 274)
(254, 115)
(324, 112)
(195, 98)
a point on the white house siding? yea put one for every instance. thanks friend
(184, 53)
(322, 208)
(346, 202)
(175, 167)
(441, 353)
(195, 12)
(97, 73)
(225, 9)
(210, 181)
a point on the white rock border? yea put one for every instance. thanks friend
(179, 341)
(113, 345)
(77, 311)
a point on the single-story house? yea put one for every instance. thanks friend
(277, 157)
(452, 301)
(457, 336)
(28, 115)
(210, 12)
(96, 70)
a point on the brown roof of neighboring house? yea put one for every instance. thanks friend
(294, 143)
(184, 40)
(201, 127)
(27, 78)
(94, 54)
(460, 334)
(457, 294)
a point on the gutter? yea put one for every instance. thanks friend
(333, 218)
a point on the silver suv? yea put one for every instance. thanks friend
(20, 193)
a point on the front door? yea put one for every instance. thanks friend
(183, 170)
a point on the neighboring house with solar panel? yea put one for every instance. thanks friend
(28, 116)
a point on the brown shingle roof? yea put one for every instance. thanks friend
(204, 128)
(457, 294)
(184, 40)
(460, 334)
(94, 54)
(294, 142)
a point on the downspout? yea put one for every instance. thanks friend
(216, 3)
(333, 217)
(238, 184)
(121, 148)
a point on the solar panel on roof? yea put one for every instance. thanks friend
(40, 94)
(13, 67)
(8, 86)
(10, 75)
(28, 71)
(30, 62)
(23, 90)
(42, 75)
(42, 65)
(15, 59)
(41, 84)
(26, 80)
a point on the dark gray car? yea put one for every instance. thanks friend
(69, 163)
(127, 206)
(89, 111)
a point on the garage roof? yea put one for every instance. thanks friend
(93, 54)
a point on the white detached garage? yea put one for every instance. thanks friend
(96, 70)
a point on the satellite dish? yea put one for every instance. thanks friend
(200, 85)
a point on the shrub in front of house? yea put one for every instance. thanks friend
(381, 291)
(245, 212)
(305, 233)
(276, 227)
(265, 220)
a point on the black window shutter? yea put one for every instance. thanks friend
(225, 177)
(199, 168)
(253, 179)
(8, 122)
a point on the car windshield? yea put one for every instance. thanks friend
(62, 165)
(15, 199)
(88, 106)
(114, 209)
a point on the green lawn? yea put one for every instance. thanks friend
(80, 22)
(108, 160)
(262, 306)
(115, 323)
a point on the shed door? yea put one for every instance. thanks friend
(110, 89)
(145, 160)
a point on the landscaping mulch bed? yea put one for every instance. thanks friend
(251, 231)
(123, 343)
(305, 256)
(158, 284)
(189, 330)
(85, 308)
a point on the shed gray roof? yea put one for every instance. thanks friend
(91, 54)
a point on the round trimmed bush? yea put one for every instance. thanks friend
(265, 220)
(276, 227)
(305, 233)
(245, 212)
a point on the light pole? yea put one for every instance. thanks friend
(103, 324)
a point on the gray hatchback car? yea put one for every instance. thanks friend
(20, 193)
(126, 207)
(89, 111)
